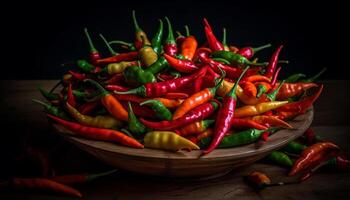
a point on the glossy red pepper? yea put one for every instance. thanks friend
(130, 56)
(185, 66)
(270, 70)
(117, 88)
(214, 44)
(170, 46)
(94, 54)
(249, 52)
(77, 75)
(70, 96)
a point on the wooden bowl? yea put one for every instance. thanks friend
(188, 164)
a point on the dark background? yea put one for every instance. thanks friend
(41, 36)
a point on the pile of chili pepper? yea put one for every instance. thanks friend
(174, 93)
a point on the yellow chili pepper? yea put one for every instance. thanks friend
(252, 110)
(116, 68)
(167, 140)
(98, 121)
(147, 55)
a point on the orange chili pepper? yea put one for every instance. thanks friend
(256, 78)
(293, 89)
(207, 133)
(170, 103)
(271, 120)
(252, 110)
(188, 47)
(249, 89)
(195, 128)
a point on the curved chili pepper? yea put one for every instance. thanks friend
(311, 155)
(252, 110)
(98, 121)
(275, 76)
(195, 100)
(135, 75)
(170, 46)
(167, 140)
(249, 52)
(294, 147)
(270, 70)
(158, 66)
(271, 121)
(161, 111)
(235, 59)
(213, 43)
(80, 178)
(247, 123)
(162, 88)
(256, 78)
(134, 125)
(116, 88)
(110, 102)
(195, 128)
(170, 103)
(280, 158)
(88, 107)
(293, 89)
(70, 96)
(198, 113)
(184, 66)
(53, 110)
(188, 47)
(77, 75)
(130, 56)
(139, 33)
(249, 88)
(258, 180)
(157, 38)
(225, 116)
(98, 133)
(94, 54)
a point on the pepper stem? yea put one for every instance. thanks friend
(187, 31)
(120, 42)
(151, 101)
(224, 37)
(98, 86)
(218, 84)
(92, 47)
(208, 122)
(170, 39)
(273, 94)
(312, 79)
(41, 103)
(139, 91)
(127, 132)
(136, 25)
(258, 64)
(261, 90)
(113, 53)
(232, 92)
(256, 49)
(94, 176)
(179, 34)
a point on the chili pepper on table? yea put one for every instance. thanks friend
(43, 184)
(340, 162)
(57, 111)
(294, 147)
(157, 38)
(185, 66)
(127, 45)
(98, 133)
(110, 49)
(116, 68)
(162, 88)
(80, 178)
(188, 47)
(271, 121)
(110, 102)
(247, 123)
(139, 33)
(225, 116)
(134, 125)
(170, 46)
(248, 52)
(94, 54)
(130, 56)
(311, 155)
(213, 43)
(195, 100)
(136, 75)
(252, 110)
(235, 59)
(195, 128)
(161, 111)
(270, 70)
(167, 140)
(310, 137)
(280, 158)
(198, 113)
(98, 121)
(258, 179)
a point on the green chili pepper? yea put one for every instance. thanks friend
(280, 158)
(237, 139)
(134, 125)
(53, 110)
(161, 111)
(137, 76)
(235, 59)
(158, 66)
(157, 39)
(85, 66)
(294, 78)
(294, 147)
(48, 96)
(312, 79)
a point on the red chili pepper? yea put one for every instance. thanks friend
(271, 121)
(185, 66)
(293, 89)
(256, 78)
(265, 136)
(140, 111)
(130, 97)
(313, 154)
(249, 52)
(70, 96)
(162, 88)
(198, 113)
(94, 54)
(130, 56)
(225, 115)
(98, 133)
(115, 79)
(117, 88)
(270, 70)
(214, 44)
(77, 76)
(170, 46)
(247, 123)
(275, 76)
(177, 95)
(342, 162)
(311, 137)
(88, 107)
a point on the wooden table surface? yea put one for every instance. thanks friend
(27, 126)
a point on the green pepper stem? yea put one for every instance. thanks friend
(256, 49)
(110, 49)
(218, 83)
(170, 39)
(46, 105)
(92, 47)
(136, 25)
(123, 130)
(151, 101)
(261, 90)
(120, 42)
(258, 64)
(91, 177)
(273, 94)
(139, 91)
(232, 92)
(224, 37)
(187, 31)
(179, 34)
(98, 86)
(208, 122)
(312, 79)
